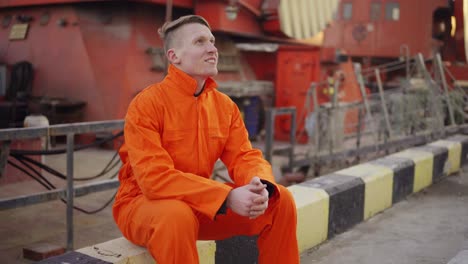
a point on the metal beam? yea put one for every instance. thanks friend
(30, 199)
(59, 130)
(396, 143)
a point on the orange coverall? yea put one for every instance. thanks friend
(166, 199)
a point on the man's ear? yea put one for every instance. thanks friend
(172, 56)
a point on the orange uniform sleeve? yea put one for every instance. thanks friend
(242, 161)
(154, 169)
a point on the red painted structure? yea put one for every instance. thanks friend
(460, 38)
(101, 53)
(378, 28)
(97, 52)
(377, 31)
(292, 69)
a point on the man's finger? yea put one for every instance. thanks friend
(255, 181)
(255, 214)
(260, 200)
(259, 207)
(257, 187)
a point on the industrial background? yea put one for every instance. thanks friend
(322, 84)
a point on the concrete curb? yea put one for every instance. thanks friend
(326, 206)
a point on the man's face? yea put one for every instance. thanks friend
(195, 52)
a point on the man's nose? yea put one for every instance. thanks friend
(212, 48)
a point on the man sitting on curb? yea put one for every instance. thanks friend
(175, 131)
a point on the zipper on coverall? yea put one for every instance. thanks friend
(197, 104)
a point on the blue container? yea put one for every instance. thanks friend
(251, 110)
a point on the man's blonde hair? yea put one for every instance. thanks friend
(167, 30)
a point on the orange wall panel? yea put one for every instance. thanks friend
(296, 69)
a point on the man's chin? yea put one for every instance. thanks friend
(212, 73)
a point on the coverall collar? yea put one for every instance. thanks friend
(185, 83)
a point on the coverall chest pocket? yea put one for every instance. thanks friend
(217, 140)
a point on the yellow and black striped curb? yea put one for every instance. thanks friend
(326, 206)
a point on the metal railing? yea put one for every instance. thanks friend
(271, 115)
(423, 106)
(68, 130)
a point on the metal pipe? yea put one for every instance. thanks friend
(440, 68)
(59, 130)
(269, 137)
(70, 147)
(4, 153)
(168, 10)
(30, 199)
(292, 139)
(431, 83)
(385, 65)
(384, 104)
(397, 142)
(364, 95)
(317, 125)
(404, 49)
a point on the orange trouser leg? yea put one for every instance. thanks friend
(277, 242)
(170, 228)
(167, 228)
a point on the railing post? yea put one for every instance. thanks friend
(292, 138)
(404, 50)
(70, 192)
(358, 136)
(269, 137)
(270, 115)
(443, 80)
(384, 104)
(4, 153)
(432, 88)
(317, 119)
(360, 78)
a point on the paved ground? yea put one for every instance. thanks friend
(429, 227)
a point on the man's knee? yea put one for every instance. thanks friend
(176, 215)
(286, 198)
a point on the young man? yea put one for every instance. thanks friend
(174, 133)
